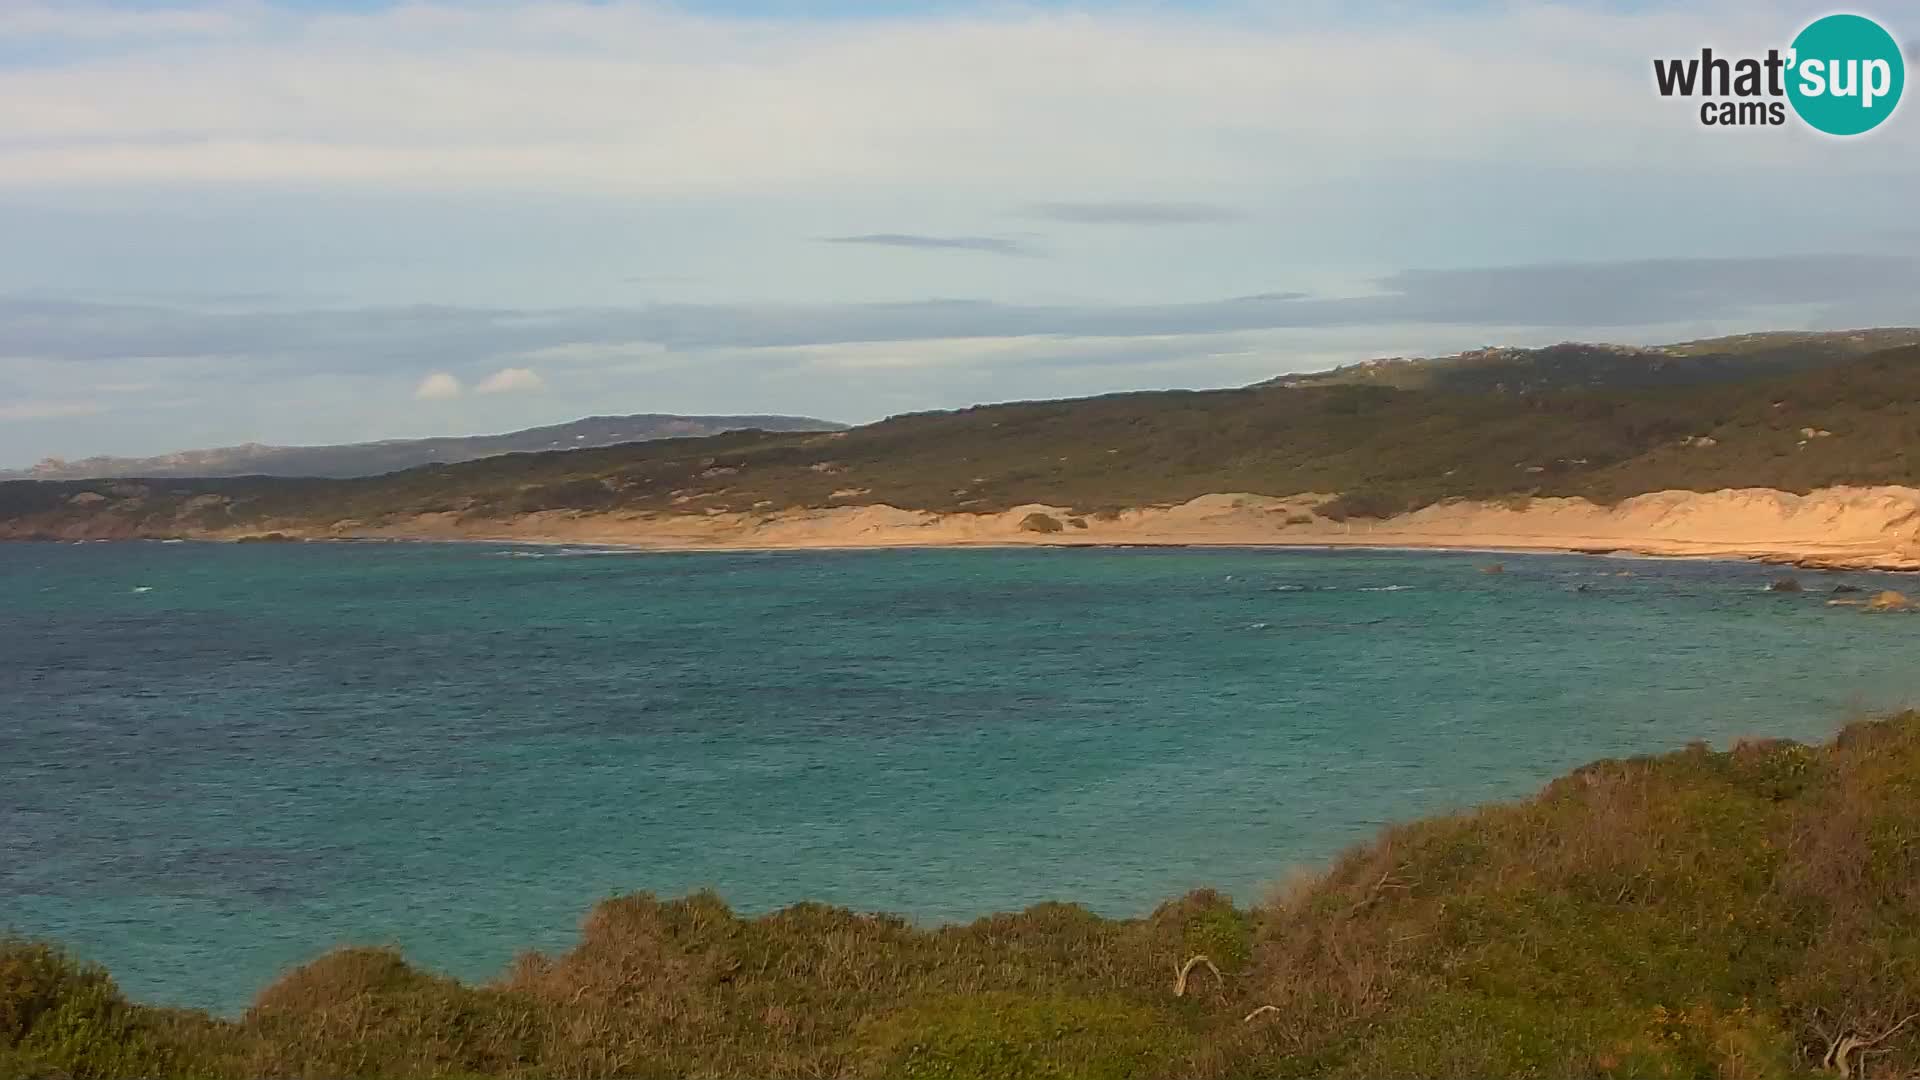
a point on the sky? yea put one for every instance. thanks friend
(313, 221)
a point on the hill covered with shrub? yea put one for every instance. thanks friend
(1581, 366)
(1385, 449)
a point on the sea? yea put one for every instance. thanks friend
(218, 761)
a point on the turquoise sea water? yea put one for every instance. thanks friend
(217, 761)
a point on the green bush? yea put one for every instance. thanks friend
(1223, 935)
(35, 979)
(1004, 1036)
(62, 1018)
(1361, 504)
(587, 493)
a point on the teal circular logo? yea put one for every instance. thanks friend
(1846, 74)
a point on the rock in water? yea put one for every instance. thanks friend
(1785, 584)
(1843, 587)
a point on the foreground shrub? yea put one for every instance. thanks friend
(63, 1018)
(999, 1036)
(366, 1012)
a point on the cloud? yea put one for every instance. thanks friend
(438, 386)
(992, 244)
(1027, 353)
(49, 410)
(1135, 213)
(27, 21)
(633, 97)
(595, 353)
(511, 381)
(436, 340)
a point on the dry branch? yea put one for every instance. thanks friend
(1847, 1043)
(1180, 980)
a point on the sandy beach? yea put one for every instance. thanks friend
(1840, 527)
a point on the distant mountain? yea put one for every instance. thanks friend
(1574, 365)
(373, 458)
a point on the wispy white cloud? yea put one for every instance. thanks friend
(49, 410)
(598, 352)
(992, 245)
(441, 341)
(82, 22)
(1136, 213)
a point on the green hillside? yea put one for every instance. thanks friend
(1751, 914)
(1388, 449)
(1574, 365)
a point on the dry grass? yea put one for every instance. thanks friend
(1747, 914)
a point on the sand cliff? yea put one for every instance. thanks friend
(1852, 527)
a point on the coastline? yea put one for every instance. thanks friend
(1833, 528)
(1839, 528)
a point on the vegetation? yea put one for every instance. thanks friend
(389, 455)
(1381, 449)
(1573, 365)
(1360, 504)
(1746, 914)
